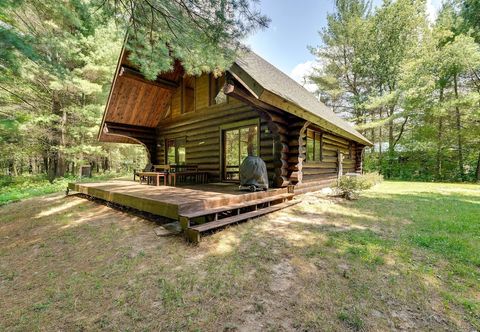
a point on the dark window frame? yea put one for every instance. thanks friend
(178, 143)
(184, 95)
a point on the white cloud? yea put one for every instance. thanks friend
(300, 74)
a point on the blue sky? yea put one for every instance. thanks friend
(295, 25)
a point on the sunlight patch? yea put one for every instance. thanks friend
(58, 209)
(227, 242)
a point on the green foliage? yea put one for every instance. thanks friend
(57, 60)
(204, 36)
(17, 188)
(350, 186)
(411, 87)
(52, 95)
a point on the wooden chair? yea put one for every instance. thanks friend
(148, 168)
(154, 176)
(161, 168)
(185, 171)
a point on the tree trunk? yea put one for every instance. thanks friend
(57, 167)
(439, 141)
(459, 130)
(391, 143)
(61, 156)
(45, 163)
(478, 168)
(380, 138)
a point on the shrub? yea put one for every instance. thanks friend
(373, 178)
(350, 186)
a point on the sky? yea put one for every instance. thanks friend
(294, 26)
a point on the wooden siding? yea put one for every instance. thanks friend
(202, 132)
(327, 168)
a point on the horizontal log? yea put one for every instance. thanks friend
(319, 171)
(192, 148)
(212, 112)
(335, 138)
(209, 160)
(319, 165)
(281, 181)
(333, 143)
(205, 126)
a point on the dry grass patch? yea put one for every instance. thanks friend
(72, 264)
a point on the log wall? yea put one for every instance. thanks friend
(317, 174)
(282, 139)
(202, 132)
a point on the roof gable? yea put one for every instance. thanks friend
(266, 82)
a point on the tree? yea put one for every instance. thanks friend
(57, 58)
(205, 35)
(54, 97)
(416, 85)
(341, 79)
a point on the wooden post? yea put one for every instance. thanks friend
(192, 235)
(339, 165)
(184, 223)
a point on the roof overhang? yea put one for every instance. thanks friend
(271, 98)
(135, 102)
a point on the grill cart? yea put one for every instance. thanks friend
(253, 174)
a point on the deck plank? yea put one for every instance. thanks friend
(168, 201)
(248, 203)
(244, 216)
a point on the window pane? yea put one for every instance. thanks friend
(309, 149)
(318, 147)
(181, 155)
(171, 155)
(248, 142)
(238, 144)
(231, 154)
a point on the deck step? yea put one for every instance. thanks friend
(207, 212)
(193, 233)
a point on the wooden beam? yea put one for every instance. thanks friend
(239, 92)
(133, 128)
(136, 75)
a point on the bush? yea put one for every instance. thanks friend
(373, 178)
(350, 186)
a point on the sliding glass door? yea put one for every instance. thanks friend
(238, 143)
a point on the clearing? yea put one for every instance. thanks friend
(405, 256)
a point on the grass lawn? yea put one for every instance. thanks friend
(14, 189)
(404, 256)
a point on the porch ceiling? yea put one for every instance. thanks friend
(136, 101)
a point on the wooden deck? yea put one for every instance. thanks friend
(167, 201)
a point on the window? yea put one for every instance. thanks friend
(188, 94)
(176, 151)
(314, 145)
(238, 143)
(216, 90)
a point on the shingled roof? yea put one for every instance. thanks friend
(264, 79)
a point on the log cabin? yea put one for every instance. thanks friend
(205, 120)
(214, 123)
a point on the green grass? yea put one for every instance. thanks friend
(402, 257)
(14, 189)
